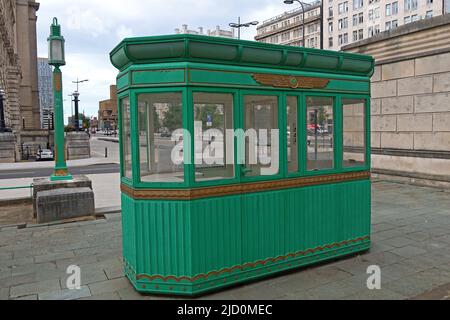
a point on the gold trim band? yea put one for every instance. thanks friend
(199, 193)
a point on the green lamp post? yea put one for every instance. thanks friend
(56, 59)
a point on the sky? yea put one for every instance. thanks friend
(92, 28)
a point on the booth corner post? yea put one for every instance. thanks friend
(56, 59)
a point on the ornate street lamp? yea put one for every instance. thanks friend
(56, 59)
(240, 25)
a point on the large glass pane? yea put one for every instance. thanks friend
(214, 148)
(161, 137)
(262, 136)
(354, 136)
(319, 117)
(292, 133)
(126, 137)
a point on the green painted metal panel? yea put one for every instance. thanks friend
(263, 221)
(220, 77)
(123, 81)
(149, 51)
(163, 241)
(188, 247)
(158, 76)
(249, 53)
(206, 50)
(216, 234)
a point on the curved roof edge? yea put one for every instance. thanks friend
(185, 47)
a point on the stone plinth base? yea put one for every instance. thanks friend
(44, 184)
(62, 204)
(78, 145)
(7, 147)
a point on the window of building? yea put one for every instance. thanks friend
(126, 137)
(360, 34)
(296, 33)
(292, 133)
(429, 1)
(354, 133)
(376, 13)
(387, 25)
(394, 24)
(160, 123)
(410, 5)
(357, 4)
(414, 17)
(319, 125)
(330, 42)
(345, 23)
(355, 36)
(388, 10)
(377, 29)
(361, 17)
(330, 27)
(429, 14)
(355, 19)
(394, 7)
(370, 31)
(330, 12)
(261, 117)
(340, 39)
(213, 116)
(285, 36)
(345, 38)
(371, 15)
(407, 19)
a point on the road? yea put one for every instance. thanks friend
(45, 172)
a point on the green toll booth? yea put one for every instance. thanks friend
(239, 159)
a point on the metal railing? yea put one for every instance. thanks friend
(31, 186)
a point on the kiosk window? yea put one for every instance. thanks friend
(319, 127)
(213, 136)
(354, 136)
(160, 122)
(261, 136)
(126, 137)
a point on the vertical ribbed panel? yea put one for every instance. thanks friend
(263, 221)
(327, 214)
(187, 238)
(216, 233)
(128, 230)
(163, 237)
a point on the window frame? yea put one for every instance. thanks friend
(304, 151)
(123, 178)
(281, 95)
(367, 132)
(236, 124)
(134, 93)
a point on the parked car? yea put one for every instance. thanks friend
(44, 154)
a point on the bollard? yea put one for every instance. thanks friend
(106, 152)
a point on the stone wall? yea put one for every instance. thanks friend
(411, 101)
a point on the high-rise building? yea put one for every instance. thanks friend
(217, 32)
(348, 21)
(287, 28)
(45, 83)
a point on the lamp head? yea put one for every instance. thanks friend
(56, 54)
(288, 1)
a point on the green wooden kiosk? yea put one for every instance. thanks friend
(239, 159)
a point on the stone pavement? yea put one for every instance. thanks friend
(411, 235)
